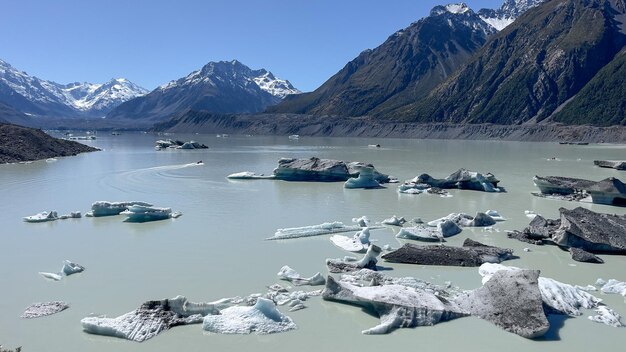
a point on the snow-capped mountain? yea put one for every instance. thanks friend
(461, 14)
(219, 87)
(507, 13)
(35, 96)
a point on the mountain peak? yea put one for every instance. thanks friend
(455, 9)
(507, 13)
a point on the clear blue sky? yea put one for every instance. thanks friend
(153, 42)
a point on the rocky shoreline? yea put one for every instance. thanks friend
(333, 126)
(19, 144)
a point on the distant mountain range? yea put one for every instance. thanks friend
(527, 62)
(219, 87)
(37, 97)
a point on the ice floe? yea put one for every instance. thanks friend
(347, 265)
(141, 213)
(366, 179)
(43, 309)
(363, 221)
(394, 221)
(471, 254)
(313, 230)
(465, 220)
(262, 318)
(70, 268)
(613, 286)
(104, 208)
(357, 243)
(287, 273)
(51, 276)
(42, 217)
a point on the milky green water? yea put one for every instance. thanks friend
(217, 248)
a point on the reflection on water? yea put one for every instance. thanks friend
(217, 248)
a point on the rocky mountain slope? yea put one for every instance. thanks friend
(531, 68)
(38, 97)
(406, 66)
(19, 143)
(220, 87)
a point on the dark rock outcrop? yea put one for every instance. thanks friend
(471, 254)
(19, 143)
(583, 256)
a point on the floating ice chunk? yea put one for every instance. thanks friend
(262, 318)
(420, 233)
(42, 217)
(368, 261)
(530, 214)
(465, 220)
(394, 220)
(366, 179)
(140, 213)
(314, 230)
(42, 309)
(587, 288)
(363, 221)
(152, 318)
(287, 273)
(51, 160)
(247, 175)
(104, 208)
(607, 316)
(448, 228)
(559, 296)
(495, 215)
(357, 243)
(72, 215)
(614, 286)
(51, 276)
(70, 268)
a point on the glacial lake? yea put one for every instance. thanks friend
(217, 248)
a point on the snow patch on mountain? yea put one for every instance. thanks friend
(460, 14)
(507, 13)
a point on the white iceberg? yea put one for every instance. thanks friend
(262, 318)
(363, 221)
(394, 221)
(366, 179)
(287, 273)
(494, 214)
(42, 217)
(140, 213)
(465, 220)
(248, 175)
(70, 268)
(357, 243)
(72, 215)
(607, 316)
(51, 276)
(313, 230)
(104, 208)
(349, 264)
(614, 286)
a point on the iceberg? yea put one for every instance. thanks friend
(42, 217)
(313, 230)
(394, 221)
(343, 266)
(614, 286)
(152, 318)
(465, 220)
(420, 233)
(262, 318)
(366, 179)
(51, 276)
(287, 273)
(607, 316)
(247, 175)
(104, 208)
(70, 268)
(462, 179)
(43, 309)
(357, 243)
(72, 215)
(140, 213)
(363, 221)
